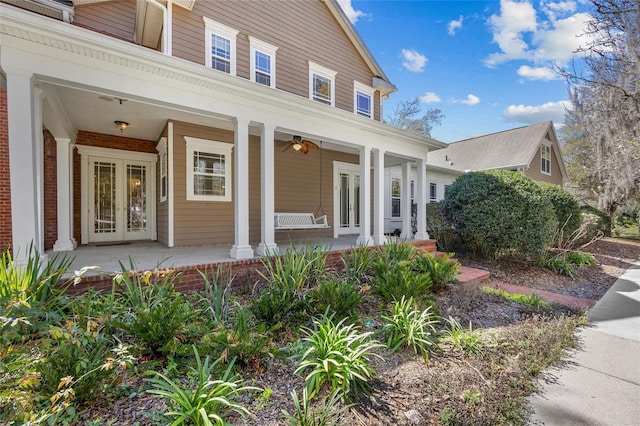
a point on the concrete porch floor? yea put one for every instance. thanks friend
(151, 254)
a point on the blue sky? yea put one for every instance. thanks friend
(487, 65)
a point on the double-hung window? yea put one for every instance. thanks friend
(164, 165)
(433, 192)
(363, 100)
(545, 159)
(208, 170)
(262, 62)
(396, 185)
(322, 84)
(220, 46)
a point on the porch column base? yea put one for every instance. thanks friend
(421, 236)
(268, 249)
(379, 240)
(367, 241)
(241, 252)
(406, 236)
(64, 245)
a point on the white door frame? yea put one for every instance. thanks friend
(87, 153)
(338, 167)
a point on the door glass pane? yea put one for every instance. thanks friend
(344, 200)
(104, 177)
(136, 198)
(356, 200)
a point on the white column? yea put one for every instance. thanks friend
(64, 162)
(365, 197)
(421, 200)
(241, 249)
(22, 163)
(407, 233)
(378, 197)
(267, 244)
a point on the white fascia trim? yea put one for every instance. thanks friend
(213, 147)
(213, 27)
(264, 47)
(367, 90)
(116, 153)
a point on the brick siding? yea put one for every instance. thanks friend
(5, 183)
(50, 191)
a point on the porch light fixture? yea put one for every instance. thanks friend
(297, 143)
(122, 125)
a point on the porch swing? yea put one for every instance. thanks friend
(293, 221)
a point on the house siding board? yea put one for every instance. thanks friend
(271, 22)
(198, 222)
(117, 18)
(534, 171)
(5, 182)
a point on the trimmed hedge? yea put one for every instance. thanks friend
(501, 213)
(595, 223)
(566, 209)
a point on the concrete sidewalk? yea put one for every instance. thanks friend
(600, 383)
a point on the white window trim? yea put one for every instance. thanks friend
(399, 197)
(435, 197)
(548, 173)
(164, 166)
(256, 45)
(213, 27)
(211, 147)
(365, 90)
(326, 73)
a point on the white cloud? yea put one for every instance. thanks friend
(469, 100)
(454, 25)
(413, 60)
(351, 13)
(537, 73)
(521, 35)
(537, 113)
(430, 98)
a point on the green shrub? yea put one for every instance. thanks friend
(595, 223)
(580, 258)
(395, 281)
(408, 326)
(500, 213)
(357, 264)
(566, 209)
(336, 296)
(207, 401)
(441, 269)
(440, 227)
(338, 354)
(279, 305)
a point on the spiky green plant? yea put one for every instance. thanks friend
(214, 298)
(395, 281)
(356, 263)
(463, 339)
(336, 296)
(305, 415)
(441, 269)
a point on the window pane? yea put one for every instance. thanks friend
(433, 192)
(263, 62)
(321, 89)
(395, 207)
(220, 65)
(220, 47)
(104, 175)
(208, 185)
(263, 79)
(136, 198)
(395, 187)
(204, 162)
(363, 104)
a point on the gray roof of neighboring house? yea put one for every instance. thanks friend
(509, 149)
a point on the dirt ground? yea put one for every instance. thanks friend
(452, 388)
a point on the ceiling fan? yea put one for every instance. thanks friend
(301, 145)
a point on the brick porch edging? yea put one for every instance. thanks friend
(245, 272)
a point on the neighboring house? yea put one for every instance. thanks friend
(171, 121)
(532, 150)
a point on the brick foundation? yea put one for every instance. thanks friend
(5, 182)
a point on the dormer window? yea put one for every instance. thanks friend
(220, 46)
(363, 100)
(545, 159)
(263, 62)
(321, 84)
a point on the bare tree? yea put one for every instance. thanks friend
(603, 128)
(406, 116)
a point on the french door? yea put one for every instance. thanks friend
(117, 195)
(347, 198)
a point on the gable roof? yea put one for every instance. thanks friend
(509, 149)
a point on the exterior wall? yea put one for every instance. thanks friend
(5, 183)
(50, 191)
(102, 141)
(534, 171)
(441, 179)
(162, 208)
(295, 27)
(115, 18)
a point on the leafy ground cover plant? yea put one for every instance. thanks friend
(463, 339)
(532, 300)
(441, 269)
(408, 326)
(356, 264)
(340, 355)
(336, 296)
(566, 262)
(306, 415)
(215, 297)
(207, 401)
(395, 281)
